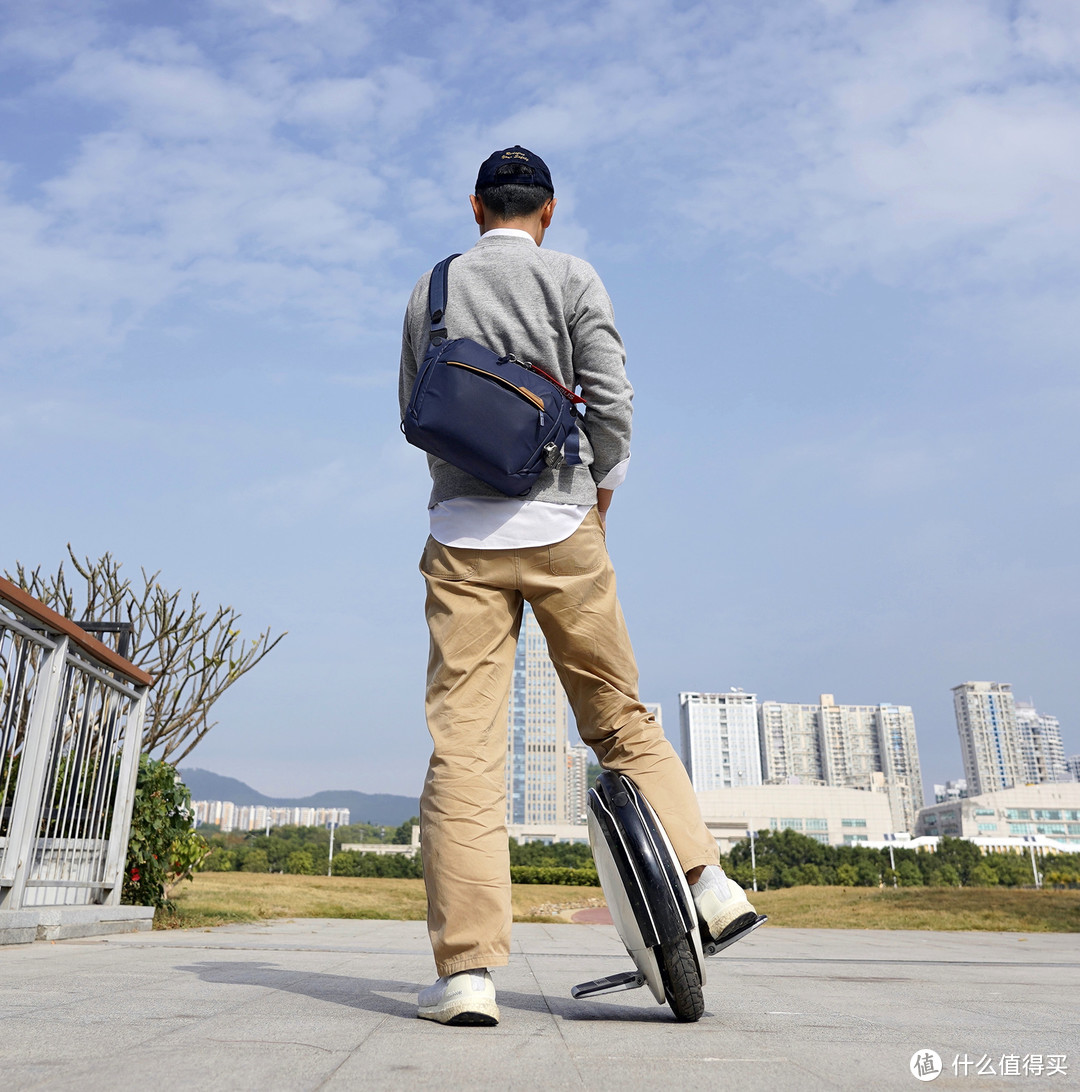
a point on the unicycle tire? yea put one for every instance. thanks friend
(682, 983)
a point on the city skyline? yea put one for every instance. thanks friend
(731, 740)
(851, 332)
(772, 707)
(229, 816)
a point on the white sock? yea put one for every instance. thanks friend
(712, 879)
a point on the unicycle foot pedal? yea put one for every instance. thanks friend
(614, 983)
(710, 947)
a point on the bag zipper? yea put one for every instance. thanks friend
(525, 393)
(528, 365)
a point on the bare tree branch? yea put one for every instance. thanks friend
(194, 654)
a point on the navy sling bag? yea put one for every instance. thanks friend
(501, 419)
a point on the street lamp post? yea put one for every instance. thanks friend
(890, 838)
(330, 862)
(1031, 840)
(753, 857)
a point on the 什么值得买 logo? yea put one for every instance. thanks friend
(925, 1065)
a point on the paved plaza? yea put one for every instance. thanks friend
(330, 1004)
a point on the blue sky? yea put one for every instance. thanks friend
(840, 238)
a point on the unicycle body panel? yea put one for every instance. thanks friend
(646, 893)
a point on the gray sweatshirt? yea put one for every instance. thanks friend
(552, 309)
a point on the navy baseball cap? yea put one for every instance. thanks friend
(537, 173)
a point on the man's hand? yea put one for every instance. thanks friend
(603, 503)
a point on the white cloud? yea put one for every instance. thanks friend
(298, 154)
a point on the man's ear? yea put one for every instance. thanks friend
(478, 210)
(546, 213)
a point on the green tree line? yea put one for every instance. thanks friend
(787, 858)
(784, 859)
(304, 851)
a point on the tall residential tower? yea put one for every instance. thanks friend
(539, 762)
(844, 746)
(1041, 748)
(989, 739)
(720, 739)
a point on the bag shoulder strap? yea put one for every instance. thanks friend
(437, 290)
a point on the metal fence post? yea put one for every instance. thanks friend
(116, 856)
(29, 789)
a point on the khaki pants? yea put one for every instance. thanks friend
(474, 608)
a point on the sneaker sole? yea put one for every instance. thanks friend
(741, 922)
(723, 925)
(463, 1015)
(472, 1020)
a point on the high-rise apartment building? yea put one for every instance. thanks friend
(577, 782)
(1041, 748)
(537, 735)
(720, 739)
(843, 746)
(989, 738)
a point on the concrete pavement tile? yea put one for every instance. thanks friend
(423, 1054)
(229, 1067)
(93, 1038)
(310, 1004)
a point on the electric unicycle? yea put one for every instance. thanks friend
(649, 900)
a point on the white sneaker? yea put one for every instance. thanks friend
(465, 999)
(721, 903)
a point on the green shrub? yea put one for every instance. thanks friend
(567, 877)
(869, 872)
(558, 854)
(396, 866)
(1012, 869)
(255, 860)
(942, 875)
(299, 863)
(163, 849)
(847, 875)
(219, 859)
(982, 875)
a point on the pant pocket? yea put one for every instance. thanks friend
(448, 562)
(582, 553)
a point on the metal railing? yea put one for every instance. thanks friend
(71, 725)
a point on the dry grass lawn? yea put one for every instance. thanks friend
(1008, 910)
(216, 898)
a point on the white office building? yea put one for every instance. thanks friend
(989, 739)
(1009, 817)
(720, 739)
(834, 816)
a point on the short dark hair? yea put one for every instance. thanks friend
(510, 200)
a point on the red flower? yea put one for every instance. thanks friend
(135, 875)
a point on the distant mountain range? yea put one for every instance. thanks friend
(383, 809)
